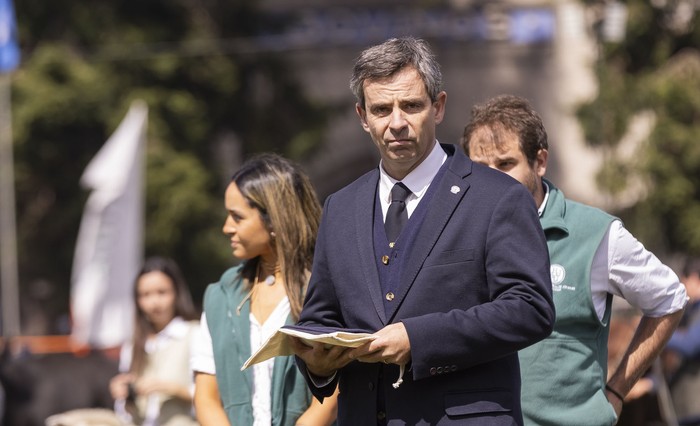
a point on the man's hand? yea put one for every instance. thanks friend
(391, 346)
(321, 361)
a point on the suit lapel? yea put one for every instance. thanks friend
(449, 193)
(364, 223)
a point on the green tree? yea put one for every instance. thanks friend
(83, 64)
(656, 68)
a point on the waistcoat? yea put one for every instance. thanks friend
(170, 364)
(564, 375)
(390, 259)
(230, 333)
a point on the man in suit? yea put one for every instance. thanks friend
(593, 257)
(451, 296)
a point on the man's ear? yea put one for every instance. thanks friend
(363, 116)
(541, 162)
(439, 105)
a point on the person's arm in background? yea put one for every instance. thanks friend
(119, 384)
(207, 401)
(320, 414)
(640, 278)
(648, 341)
(148, 386)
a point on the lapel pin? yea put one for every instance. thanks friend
(454, 189)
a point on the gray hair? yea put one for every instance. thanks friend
(383, 60)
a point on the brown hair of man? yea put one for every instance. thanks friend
(508, 113)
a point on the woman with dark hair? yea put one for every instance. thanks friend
(155, 383)
(273, 217)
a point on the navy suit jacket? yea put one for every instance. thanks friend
(475, 289)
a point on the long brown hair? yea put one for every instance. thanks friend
(143, 328)
(288, 205)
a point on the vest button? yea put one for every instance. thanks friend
(389, 296)
(385, 259)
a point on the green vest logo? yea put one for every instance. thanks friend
(557, 273)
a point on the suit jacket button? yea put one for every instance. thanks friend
(453, 368)
(433, 371)
(381, 415)
(371, 386)
(439, 370)
(389, 296)
(385, 259)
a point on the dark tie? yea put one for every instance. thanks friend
(396, 216)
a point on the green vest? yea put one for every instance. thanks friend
(564, 376)
(230, 333)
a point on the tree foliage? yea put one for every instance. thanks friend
(656, 69)
(209, 105)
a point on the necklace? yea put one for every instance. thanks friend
(271, 278)
(269, 281)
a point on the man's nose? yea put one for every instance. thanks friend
(398, 119)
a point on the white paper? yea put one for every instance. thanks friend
(279, 345)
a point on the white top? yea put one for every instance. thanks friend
(202, 358)
(417, 181)
(176, 329)
(202, 352)
(623, 267)
(262, 371)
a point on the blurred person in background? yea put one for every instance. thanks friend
(593, 257)
(155, 384)
(682, 354)
(273, 217)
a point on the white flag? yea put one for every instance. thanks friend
(109, 249)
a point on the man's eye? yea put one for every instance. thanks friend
(412, 107)
(381, 111)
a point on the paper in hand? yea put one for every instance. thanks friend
(279, 345)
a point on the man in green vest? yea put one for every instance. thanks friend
(593, 257)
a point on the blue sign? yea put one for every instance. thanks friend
(9, 50)
(532, 26)
(362, 26)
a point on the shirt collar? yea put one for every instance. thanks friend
(418, 180)
(540, 210)
(176, 328)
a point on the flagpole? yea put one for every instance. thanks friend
(8, 230)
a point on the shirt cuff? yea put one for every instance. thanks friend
(321, 382)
